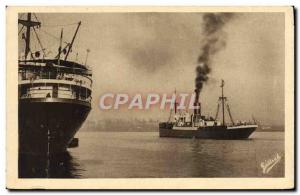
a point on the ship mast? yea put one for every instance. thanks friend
(223, 101)
(223, 98)
(28, 24)
(175, 105)
(73, 39)
(27, 40)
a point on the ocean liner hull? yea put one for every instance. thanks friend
(212, 132)
(47, 125)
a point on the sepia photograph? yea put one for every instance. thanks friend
(132, 94)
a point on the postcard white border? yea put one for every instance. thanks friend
(13, 182)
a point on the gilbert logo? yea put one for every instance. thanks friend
(267, 165)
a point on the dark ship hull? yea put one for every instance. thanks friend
(48, 125)
(212, 132)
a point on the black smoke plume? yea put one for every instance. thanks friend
(214, 40)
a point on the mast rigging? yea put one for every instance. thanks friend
(223, 101)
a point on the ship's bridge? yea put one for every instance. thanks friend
(54, 79)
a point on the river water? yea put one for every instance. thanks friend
(145, 155)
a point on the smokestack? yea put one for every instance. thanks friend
(197, 105)
(197, 92)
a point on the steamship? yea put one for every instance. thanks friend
(54, 93)
(185, 125)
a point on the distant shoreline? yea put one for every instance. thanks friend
(156, 130)
(270, 130)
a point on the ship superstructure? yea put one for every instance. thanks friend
(195, 125)
(54, 95)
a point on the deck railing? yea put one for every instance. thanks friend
(47, 92)
(77, 79)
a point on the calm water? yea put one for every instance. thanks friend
(144, 154)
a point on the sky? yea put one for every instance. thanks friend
(158, 52)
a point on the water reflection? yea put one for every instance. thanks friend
(208, 159)
(53, 166)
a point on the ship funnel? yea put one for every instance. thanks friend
(197, 105)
